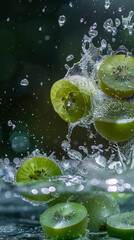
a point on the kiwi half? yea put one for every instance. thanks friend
(121, 226)
(116, 76)
(64, 221)
(70, 98)
(100, 206)
(34, 171)
(114, 120)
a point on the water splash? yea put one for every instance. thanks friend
(126, 22)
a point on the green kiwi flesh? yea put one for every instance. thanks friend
(121, 226)
(116, 76)
(69, 101)
(64, 221)
(100, 206)
(114, 120)
(34, 171)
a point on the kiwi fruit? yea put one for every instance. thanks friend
(121, 226)
(35, 171)
(70, 98)
(100, 206)
(64, 221)
(114, 120)
(116, 76)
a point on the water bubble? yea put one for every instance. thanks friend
(69, 57)
(24, 82)
(108, 25)
(62, 20)
(92, 32)
(107, 4)
(65, 145)
(113, 39)
(117, 22)
(70, 4)
(120, 9)
(66, 66)
(73, 154)
(81, 20)
(10, 124)
(40, 29)
(103, 43)
(114, 31)
(47, 37)
(94, 25)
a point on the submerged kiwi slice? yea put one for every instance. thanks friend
(114, 120)
(34, 171)
(70, 98)
(64, 221)
(121, 226)
(116, 76)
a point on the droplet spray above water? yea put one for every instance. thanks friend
(61, 20)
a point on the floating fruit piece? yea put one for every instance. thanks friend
(64, 221)
(114, 120)
(100, 206)
(121, 226)
(116, 76)
(71, 98)
(35, 170)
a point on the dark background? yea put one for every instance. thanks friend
(32, 43)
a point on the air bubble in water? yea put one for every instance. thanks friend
(69, 57)
(126, 22)
(113, 39)
(61, 20)
(24, 82)
(117, 22)
(107, 4)
(114, 31)
(94, 25)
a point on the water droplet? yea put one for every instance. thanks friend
(103, 43)
(66, 66)
(81, 20)
(70, 4)
(47, 37)
(107, 4)
(10, 124)
(24, 82)
(108, 25)
(92, 32)
(117, 22)
(113, 39)
(120, 9)
(40, 28)
(62, 20)
(69, 57)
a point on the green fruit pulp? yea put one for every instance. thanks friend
(100, 206)
(121, 226)
(64, 221)
(114, 120)
(35, 170)
(69, 100)
(116, 76)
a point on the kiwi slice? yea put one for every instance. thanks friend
(116, 76)
(100, 206)
(121, 226)
(64, 221)
(35, 170)
(70, 98)
(114, 120)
